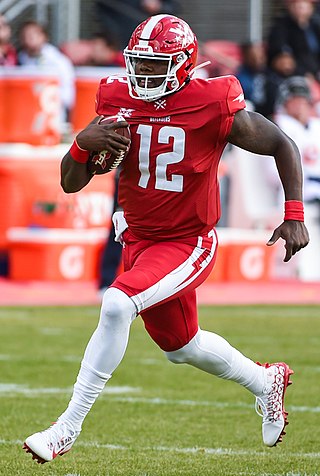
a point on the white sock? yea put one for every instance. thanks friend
(103, 354)
(87, 388)
(213, 354)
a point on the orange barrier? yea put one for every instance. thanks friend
(87, 83)
(55, 254)
(31, 195)
(84, 108)
(243, 256)
(219, 272)
(30, 106)
(249, 262)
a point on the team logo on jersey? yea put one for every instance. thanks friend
(240, 98)
(160, 104)
(124, 112)
(160, 119)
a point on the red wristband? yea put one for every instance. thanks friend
(78, 154)
(293, 210)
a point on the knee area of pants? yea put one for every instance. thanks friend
(180, 356)
(185, 355)
(114, 310)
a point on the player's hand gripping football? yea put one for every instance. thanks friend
(104, 137)
(295, 235)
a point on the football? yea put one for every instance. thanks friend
(103, 162)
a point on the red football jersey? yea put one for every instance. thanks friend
(168, 184)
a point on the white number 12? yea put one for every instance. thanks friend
(162, 160)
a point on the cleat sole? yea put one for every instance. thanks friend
(35, 457)
(38, 458)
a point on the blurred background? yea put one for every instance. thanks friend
(53, 54)
(67, 20)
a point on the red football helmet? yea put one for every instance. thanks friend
(165, 38)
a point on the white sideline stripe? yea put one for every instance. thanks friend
(8, 390)
(203, 403)
(51, 331)
(175, 449)
(66, 358)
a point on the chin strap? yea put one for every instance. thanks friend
(200, 66)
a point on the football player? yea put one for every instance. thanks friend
(170, 197)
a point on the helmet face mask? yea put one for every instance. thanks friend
(166, 39)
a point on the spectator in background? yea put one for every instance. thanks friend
(298, 29)
(100, 50)
(283, 65)
(105, 52)
(8, 54)
(295, 116)
(35, 50)
(119, 18)
(251, 73)
(260, 82)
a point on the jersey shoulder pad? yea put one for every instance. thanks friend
(229, 87)
(225, 90)
(113, 88)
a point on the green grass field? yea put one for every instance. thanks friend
(157, 418)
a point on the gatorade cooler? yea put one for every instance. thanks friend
(243, 256)
(28, 174)
(87, 83)
(219, 272)
(32, 105)
(31, 195)
(55, 254)
(249, 262)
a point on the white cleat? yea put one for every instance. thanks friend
(48, 444)
(270, 405)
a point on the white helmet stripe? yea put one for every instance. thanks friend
(146, 32)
